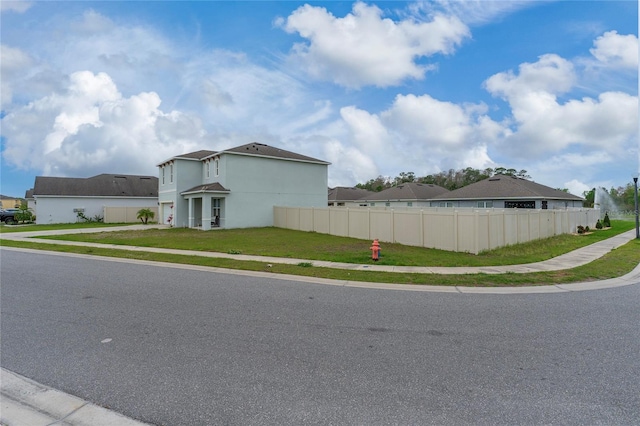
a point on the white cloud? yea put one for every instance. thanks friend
(419, 134)
(472, 12)
(14, 62)
(363, 48)
(616, 50)
(576, 187)
(91, 127)
(19, 6)
(543, 125)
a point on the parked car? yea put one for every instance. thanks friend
(8, 215)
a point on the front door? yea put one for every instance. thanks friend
(216, 211)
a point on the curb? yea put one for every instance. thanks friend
(26, 402)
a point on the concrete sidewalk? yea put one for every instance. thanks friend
(569, 260)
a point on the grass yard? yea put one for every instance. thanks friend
(279, 242)
(614, 264)
(295, 244)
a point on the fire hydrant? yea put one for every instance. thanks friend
(375, 250)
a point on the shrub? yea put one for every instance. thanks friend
(606, 222)
(598, 224)
(23, 215)
(580, 229)
(96, 218)
(145, 214)
(586, 229)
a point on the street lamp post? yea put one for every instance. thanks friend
(635, 199)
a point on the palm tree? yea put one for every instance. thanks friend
(145, 214)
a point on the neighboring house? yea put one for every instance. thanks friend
(60, 199)
(238, 187)
(411, 194)
(502, 191)
(31, 202)
(9, 202)
(342, 196)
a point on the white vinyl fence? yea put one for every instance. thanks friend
(454, 229)
(126, 214)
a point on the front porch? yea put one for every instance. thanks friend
(206, 206)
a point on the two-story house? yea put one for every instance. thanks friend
(238, 187)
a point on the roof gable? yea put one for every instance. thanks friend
(502, 186)
(104, 185)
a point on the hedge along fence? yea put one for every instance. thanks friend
(125, 214)
(469, 230)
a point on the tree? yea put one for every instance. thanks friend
(375, 185)
(145, 214)
(589, 198)
(23, 214)
(404, 177)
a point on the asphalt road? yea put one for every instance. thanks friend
(178, 347)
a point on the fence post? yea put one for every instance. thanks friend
(455, 230)
(393, 226)
(421, 227)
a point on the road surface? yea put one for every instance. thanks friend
(172, 346)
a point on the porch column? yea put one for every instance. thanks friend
(191, 217)
(206, 212)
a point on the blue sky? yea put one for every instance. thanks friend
(375, 88)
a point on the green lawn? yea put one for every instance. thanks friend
(279, 242)
(296, 244)
(614, 264)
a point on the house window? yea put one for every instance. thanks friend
(163, 170)
(373, 204)
(520, 204)
(216, 167)
(409, 203)
(387, 204)
(485, 204)
(207, 168)
(171, 173)
(446, 204)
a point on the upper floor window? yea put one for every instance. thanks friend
(171, 173)
(163, 170)
(216, 167)
(207, 168)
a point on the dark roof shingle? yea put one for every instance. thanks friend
(343, 193)
(208, 187)
(104, 185)
(262, 150)
(407, 191)
(501, 186)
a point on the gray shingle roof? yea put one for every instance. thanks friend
(263, 150)
(195, 155)
(209, 187)
(343, 193)
(104, 185)
(503, 187)
(407, 191)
